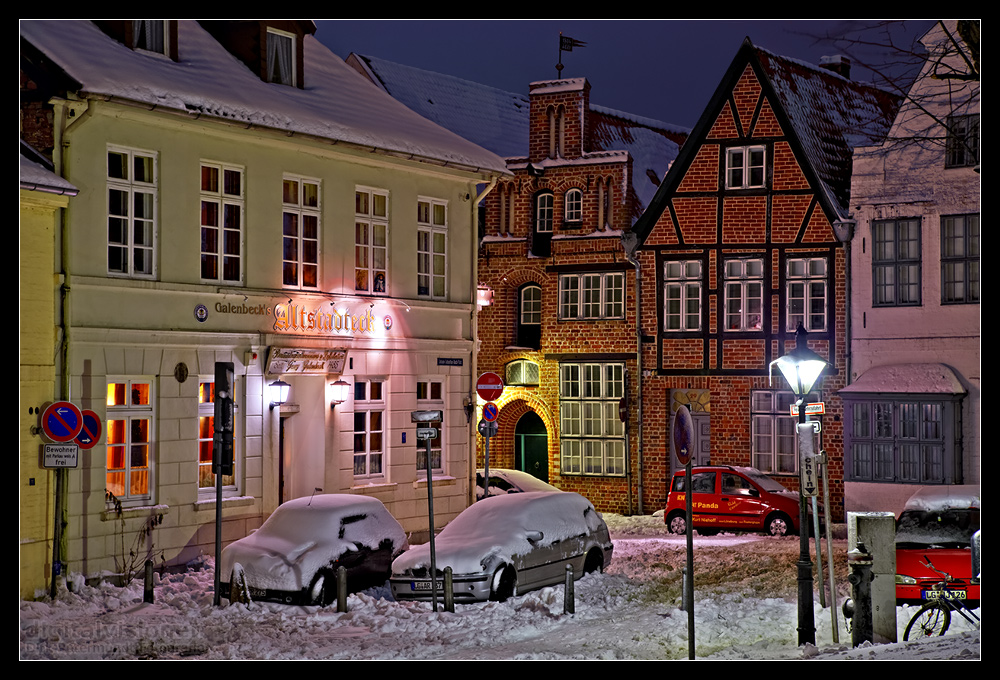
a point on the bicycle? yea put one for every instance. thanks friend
(934, 616)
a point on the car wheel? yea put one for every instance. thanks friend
(504, 584)
(778, 525)
(677, 523)
(324, 589)
(594, 562)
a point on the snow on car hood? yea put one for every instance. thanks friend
(301, 537)
(498, 527)
(936, 498)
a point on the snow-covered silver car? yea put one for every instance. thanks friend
(294, 556)
(509, 481)
(506, 545)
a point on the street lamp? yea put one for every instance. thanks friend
(802, 367)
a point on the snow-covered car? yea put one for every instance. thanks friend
(734, 499)
(937, 524)
(506, 545)
(510, 481)
(294, 556)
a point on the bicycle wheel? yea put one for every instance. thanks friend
(932, 619)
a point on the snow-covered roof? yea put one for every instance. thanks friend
(907, 379)
(499, 120)
(937, 498)
(35, 176)
(336, 103)
(830, 115)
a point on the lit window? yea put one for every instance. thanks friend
(129, 418)
(206, 435)
(521, 372)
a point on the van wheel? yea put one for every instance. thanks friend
(778, 525)
(594, 562)
(324, 589)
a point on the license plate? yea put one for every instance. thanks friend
(944, 594)
(422, 585)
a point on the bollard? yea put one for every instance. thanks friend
(860, 579)
(341, 590)
(449, 591)
(147, 586)
(569, 594)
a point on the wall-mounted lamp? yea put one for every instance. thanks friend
(278, 392)
(339, 393)
(484, 296)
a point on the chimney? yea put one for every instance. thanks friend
(838, 63)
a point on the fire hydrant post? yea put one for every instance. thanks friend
(860, 578)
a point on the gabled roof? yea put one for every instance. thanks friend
(36, 174)
(498, 120)
(825, 114)
(336, 103)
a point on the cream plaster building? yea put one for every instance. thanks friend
(246, 197)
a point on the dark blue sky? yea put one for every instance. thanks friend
(661, 68)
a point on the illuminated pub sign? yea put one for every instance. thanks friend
(282, 360)
(325, 319)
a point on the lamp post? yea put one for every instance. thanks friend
(802, 368)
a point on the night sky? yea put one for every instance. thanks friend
(665, 69)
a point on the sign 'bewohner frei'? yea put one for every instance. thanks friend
(318, 317)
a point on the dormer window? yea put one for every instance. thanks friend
(280, 57)
(149, 35)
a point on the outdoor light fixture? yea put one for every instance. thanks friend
(278, 392)
(484, 296)
(340, 391)
(802, 367)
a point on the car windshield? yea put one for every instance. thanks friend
(944, 528)
(762, 480)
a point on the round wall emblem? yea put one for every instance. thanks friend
(387, 322)
(201, 313)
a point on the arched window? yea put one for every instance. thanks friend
(574, 205)
(543, 213)
(529, 316)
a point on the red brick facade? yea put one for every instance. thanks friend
(741, 240)
(518, 251)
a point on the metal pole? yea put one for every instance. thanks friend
(819, 553)
(807, 625)
(829, 549)
(689, 572)
(430, 515)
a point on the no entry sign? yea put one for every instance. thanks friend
(489, 387)
(62, 421)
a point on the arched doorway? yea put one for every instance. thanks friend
(531, 446)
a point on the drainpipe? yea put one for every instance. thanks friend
(474, 257)
(630, 242)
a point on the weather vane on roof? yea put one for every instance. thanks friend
(566, 44)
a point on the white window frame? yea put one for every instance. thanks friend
(744, 299)
(301, 227)
(592, 295)
(280, 58)
(746, 167)
(371, 241)
(592, 436)
(431, 397)
(123, 221)
(806, 292)
(682, 303)
(432, 248)
(544, 212)
(128, 437)
(371, 432)
(573, 205)
(222, 219)
(773, 440)
(206, 436)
